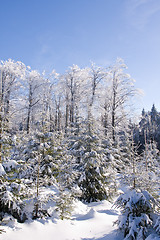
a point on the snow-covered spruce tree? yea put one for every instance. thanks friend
(47, 164)
(68, 190)
(43, 145)
(142, 172)
(31, 167)
(111, 156)
(128, 158)
(11, 189)
(64, 199)
(93, 174)
(137, 208)
(43, 169)
(148, 170)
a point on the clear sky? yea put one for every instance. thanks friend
(47, 34)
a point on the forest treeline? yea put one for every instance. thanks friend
(102, 96)
(30, 100)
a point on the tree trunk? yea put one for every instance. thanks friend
(105, 119)
(66, 118)
(0, 132)
(72, 111)
(113, 108)
(37, 191)
(113, 121)
(28, 120)
(59, 119)
(72, 104)
(1, 109)
(50, 120)
(29, 108)
(56, 118)
(6, 110)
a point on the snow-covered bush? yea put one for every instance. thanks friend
(2, 171)
(157, 225)
(10, 203)
(137, 208)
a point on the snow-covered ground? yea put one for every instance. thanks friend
(92, 221)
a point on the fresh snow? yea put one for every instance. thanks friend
(152, 237)
(92, 221)
(12, 164)
(2, 171)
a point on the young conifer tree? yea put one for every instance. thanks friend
(137, 208)
(90, 166)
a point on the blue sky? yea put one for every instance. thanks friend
(47, 34)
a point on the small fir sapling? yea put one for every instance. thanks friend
(67, 190)
(38, 211)
(64, 203)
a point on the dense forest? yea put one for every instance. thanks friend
(76, 130)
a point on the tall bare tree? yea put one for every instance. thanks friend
(122, 90)
(11, 73)
(34, 81)
(75, 84)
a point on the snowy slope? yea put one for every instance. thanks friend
(93, 221)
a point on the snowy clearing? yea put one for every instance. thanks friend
(93, 221)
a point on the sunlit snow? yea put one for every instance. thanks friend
(88, 222)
